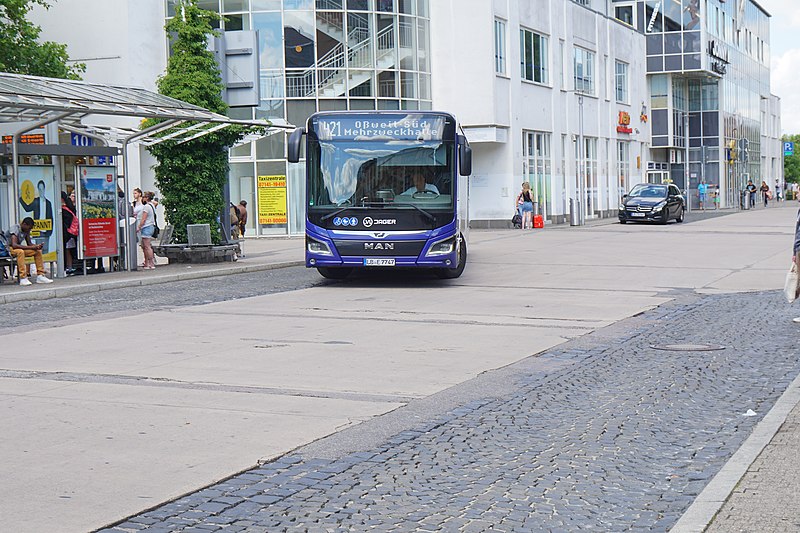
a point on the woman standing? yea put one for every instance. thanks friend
(70, 239)
(764, 192)
(145, 225)
(525, 205)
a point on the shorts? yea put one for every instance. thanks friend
(526, 207)
(147, 232)
(702, 197)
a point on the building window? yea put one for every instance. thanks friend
(533, 56)
(623, 167)
(584, 71)
(624, 14)
(622, 82)
(500, 47)
(536, 167)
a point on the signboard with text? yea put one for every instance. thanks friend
(37, 197)
(97, 209)
(788, 149)
(272, 200)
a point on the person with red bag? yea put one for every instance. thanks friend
(70, 224)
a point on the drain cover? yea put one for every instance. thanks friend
(687, 347)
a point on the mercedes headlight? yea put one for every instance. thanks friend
(659, 206)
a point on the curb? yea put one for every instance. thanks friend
(705, 507)
(65, 292)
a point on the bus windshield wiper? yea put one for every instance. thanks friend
(427, 215)
(338, 211)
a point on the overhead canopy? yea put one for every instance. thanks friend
(78, 103)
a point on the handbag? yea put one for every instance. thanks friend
(516, 220)
(74, 226)
(791, 289)
(156, 230)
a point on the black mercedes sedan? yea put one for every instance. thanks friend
(650, 202)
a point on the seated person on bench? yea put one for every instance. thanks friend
(20, 235)
(420, 185)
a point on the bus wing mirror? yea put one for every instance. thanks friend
(295, 144)
(464, 156)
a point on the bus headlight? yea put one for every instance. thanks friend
(443, 247)
(317, 247)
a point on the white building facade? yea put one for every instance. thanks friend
(559, 93)
(515, 73)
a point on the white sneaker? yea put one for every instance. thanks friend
(24, 282)
(41, 278)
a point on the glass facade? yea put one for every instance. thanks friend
(708, 72)
(319, 55)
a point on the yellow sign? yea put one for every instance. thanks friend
(27, 192)
(272, 200)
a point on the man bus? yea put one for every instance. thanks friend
(384, 190)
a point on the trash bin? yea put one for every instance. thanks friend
(744, 203)
(574, 212)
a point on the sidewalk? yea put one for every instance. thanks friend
(258, 254)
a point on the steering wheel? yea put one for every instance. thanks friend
(424, 194)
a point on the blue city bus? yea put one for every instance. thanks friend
(384, 189)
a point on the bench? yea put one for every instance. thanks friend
(194, 253)
(7, 267)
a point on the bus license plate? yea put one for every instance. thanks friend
(378, 262)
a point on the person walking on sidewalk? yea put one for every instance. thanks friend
(765, 194)
(145, 226)
(22, 247)
(751, 193)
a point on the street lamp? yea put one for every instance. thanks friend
(581, 165)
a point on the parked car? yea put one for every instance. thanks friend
(650, 202)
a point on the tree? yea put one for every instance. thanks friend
(20, 50)
(791, 163)
(191, 176)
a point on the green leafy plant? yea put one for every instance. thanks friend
(192, 176)
(791, 163)
(20, 49)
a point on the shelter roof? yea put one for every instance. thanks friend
(79, 103)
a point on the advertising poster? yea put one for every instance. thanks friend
(37, 198)
(97, 208)
(272, 200)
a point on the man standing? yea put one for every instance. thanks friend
(22, 247)
(242, 217)
(702, 192)
(751, 193)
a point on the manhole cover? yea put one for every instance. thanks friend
(687, 347)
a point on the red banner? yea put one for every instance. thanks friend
(99, 237)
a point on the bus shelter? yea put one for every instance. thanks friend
(31, 104)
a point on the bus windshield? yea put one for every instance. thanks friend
(387, 172)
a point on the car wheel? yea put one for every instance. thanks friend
(680, 216)
(623, 221)
(665, 218)
(334, 272)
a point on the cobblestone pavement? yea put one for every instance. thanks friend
(604, 433)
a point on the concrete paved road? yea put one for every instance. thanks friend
(109, 417)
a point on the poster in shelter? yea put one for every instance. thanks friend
(272, 200)
(36, 199)
(97, 208)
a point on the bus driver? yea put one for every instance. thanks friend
(420, 185)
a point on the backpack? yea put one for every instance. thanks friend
(235, 214)
(5, 244)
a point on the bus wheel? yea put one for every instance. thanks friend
(334, 273)
(453, 273)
